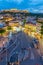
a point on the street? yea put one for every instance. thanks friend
(24, 47)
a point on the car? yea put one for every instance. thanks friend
(36, 41)
(32, 45)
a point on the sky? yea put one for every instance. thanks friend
(35, 6)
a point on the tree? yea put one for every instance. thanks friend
(7, 23)
(9, 28)
(2, 31)
(24, 21)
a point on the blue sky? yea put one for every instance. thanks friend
(30, 5)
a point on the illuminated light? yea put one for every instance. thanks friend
(32, 34)
(14, 28)
(17, 29)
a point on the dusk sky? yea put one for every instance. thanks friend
(30, 5)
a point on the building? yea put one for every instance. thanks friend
(40, 19)
(2, 25)
(13, 24)
(30, 26)
(30, 19)
(7, 17)
(1, 17)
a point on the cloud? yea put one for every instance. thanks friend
(19, 1)
(38, 11)
(35, 2)
(31, 5)
(0, 0)
(16, 1)
(35, 6)
(35, 10)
